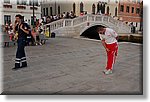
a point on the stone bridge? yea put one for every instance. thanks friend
(75, 27)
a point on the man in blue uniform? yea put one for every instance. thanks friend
(22, 29)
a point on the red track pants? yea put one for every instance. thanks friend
(111, 55)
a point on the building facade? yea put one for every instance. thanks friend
(10, 8)
(55, 7)
(130, 12)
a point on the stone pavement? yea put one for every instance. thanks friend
(73, 66)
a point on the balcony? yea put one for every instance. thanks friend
(21, 7)
(7, 5)
(35, 8)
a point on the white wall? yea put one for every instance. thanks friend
(27, 13)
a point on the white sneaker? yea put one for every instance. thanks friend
(109, 71)
(104, 70)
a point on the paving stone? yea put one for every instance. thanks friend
(73, 66)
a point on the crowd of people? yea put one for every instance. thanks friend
(37, 32)
(33, 38)
(64, 15)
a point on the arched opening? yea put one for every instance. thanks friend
(93, 9)
(51, 11)
(81, 7)
(91, 33)
(59, 10)
(108, 10)
(74, 8)
(116, 11)
(103, 9)
(98, 8)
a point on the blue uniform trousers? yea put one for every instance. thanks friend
(20, 54)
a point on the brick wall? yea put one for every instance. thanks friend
(131, 16)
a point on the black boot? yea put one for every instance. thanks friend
(24, 64)
(17, 66)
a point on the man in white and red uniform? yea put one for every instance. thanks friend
(109, 40)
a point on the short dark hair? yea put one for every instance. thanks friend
(48, 17)
(20, 16)
(100, 28)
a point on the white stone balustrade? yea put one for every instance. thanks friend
(107, 21)
(68, 22)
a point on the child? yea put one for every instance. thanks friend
(11, 33)
(35, 35)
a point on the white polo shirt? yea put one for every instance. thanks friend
(109, 36)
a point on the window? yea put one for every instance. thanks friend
(107, 9)
(36, 3)
(93, 9)
(137, 11)
(6, 1)
(98, 7)
(24, 2)
(51, 11)
(46, 11)
(103, 9)
(128, 8)
(122, 8)
(19, 2)
(116, 11)
(132, 9)
(30, 2)
(74, 7)
(81, 7)
(7, 19)
(58, 9)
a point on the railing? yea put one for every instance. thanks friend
(79, 20)
(55, 25)
(68, 22)
(87, 18)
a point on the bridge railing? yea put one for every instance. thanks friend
(67, 22)
(87, 18)
(98, 18)
(79, 20)
(56, 24)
